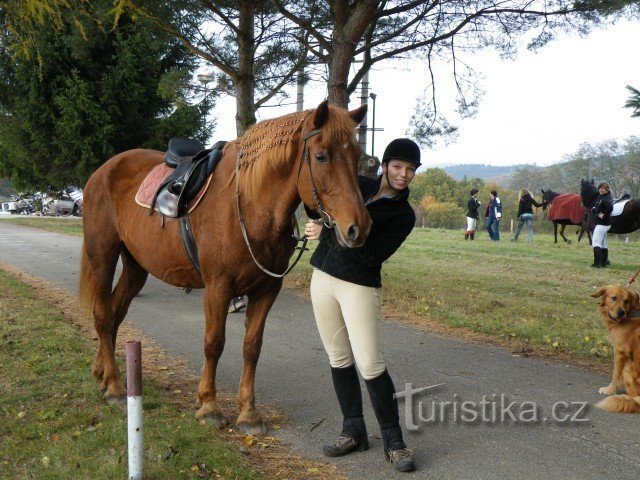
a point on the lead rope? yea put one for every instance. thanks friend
(633, 279)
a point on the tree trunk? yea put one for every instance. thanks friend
(245, 82)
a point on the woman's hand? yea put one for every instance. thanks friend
(312, 230)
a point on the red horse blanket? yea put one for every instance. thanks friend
(154, 179)
(567, 206)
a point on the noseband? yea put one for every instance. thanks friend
(327, 220)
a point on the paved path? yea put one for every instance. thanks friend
(293, 374)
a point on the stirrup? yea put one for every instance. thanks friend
(402, 459)
(345, 445)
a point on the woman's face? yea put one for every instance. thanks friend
(399, 173)
(603, 191)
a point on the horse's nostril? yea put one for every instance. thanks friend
(352, 233)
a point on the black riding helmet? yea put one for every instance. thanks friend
(402, 149)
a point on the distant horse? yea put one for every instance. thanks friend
(567, 210)
(309, 156)
(628, 221)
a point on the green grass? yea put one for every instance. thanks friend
(54, 423)
(67, 226)
(535, 293)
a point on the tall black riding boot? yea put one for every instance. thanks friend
(597, 256)
(466, 235)
(604, 260)
(381, 391)
(354, 432)
(472, 235)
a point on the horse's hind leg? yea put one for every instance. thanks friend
(129, 284)
(250, 420)
(216, 301)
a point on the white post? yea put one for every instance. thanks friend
(134, 409)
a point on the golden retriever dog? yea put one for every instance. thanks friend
(620, 309)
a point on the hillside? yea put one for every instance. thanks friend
(485, 172)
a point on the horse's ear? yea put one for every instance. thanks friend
(359, 113)
(542, 190)
(321, 114)
(593, 182)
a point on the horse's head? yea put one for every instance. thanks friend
(329, 184)
(588, 192)
(547, 197)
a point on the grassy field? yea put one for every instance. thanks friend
(527, 294)
(523, 294)
(54, 423)
(66, 225)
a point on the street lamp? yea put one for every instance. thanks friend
(373, 126)
(205, 79)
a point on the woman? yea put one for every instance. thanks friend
(345, 293)
(472, 215)
(493, 215)
(602, 216)
(525, 214)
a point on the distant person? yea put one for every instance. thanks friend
(345, 294)
(602, 215)
(493, 215)
(472, 215)
(525, 214)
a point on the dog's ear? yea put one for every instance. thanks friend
(599, 292)
(636, 301)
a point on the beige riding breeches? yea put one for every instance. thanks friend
(348, 319)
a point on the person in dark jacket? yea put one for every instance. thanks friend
(493, 215)
(526, 203)
(602, 215)
(345, 294)
(472, 215)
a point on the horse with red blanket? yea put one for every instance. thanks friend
(565, 209)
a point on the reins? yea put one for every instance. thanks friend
(326, 218)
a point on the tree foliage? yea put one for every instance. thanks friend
(88, 94)
(633, 101)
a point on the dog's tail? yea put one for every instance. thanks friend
(620, 404)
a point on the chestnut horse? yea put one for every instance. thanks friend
(309, 156)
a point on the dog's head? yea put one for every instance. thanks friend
(617, 302)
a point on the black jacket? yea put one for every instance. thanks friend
(393, 219)
(525, 205)
(472, 208)
(603, 205)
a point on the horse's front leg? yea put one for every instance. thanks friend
(562, 234)
(250, 420)
(555, 232)
(216, 303)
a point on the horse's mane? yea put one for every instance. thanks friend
(272, 144)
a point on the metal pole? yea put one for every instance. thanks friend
(373, 126)
(362, 129)
(134, 409)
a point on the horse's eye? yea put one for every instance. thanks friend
(321, 158)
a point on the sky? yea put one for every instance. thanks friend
(535, 109)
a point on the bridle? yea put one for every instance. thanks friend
(326, 219)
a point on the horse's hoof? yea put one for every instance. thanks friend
(210, 414)
(115, 400)
(216, 421)
(251, 428)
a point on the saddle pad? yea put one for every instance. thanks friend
(618, 207)
(154, 179)
(567, 206)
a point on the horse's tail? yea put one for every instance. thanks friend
(86, 284)
(620, 404)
